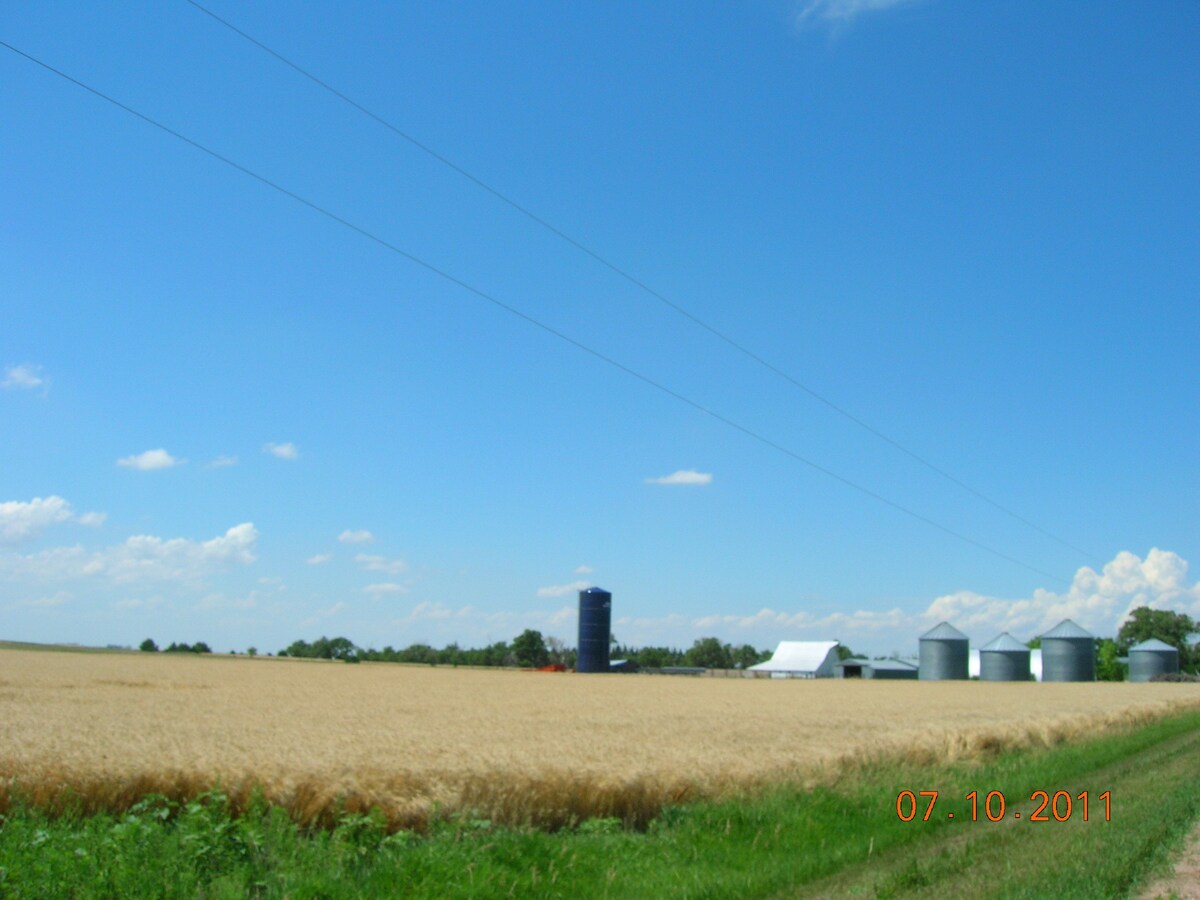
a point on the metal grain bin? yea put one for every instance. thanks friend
(944, 654)
(1150, 658)
(1004, 658)
(1068, 653)
(595, 628)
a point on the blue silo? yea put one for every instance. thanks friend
(595, 629)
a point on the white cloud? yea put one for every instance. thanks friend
(21, 521)
(320, 559)
(48, 602)
(146, 556)
(683, 476)
(150, 460)
(386, 587)
(841, 12)
(1098, 601)
(222, 461)
(584, 570)
(562, 590)
(22, 377)
(282, 451)
(434, 611)
(217, 601)
(381, 564)
(140, 558)
(139, 603)
(356, 537)
(324, 613)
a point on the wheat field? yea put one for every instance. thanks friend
(103, 730)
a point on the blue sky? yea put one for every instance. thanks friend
(229, 418)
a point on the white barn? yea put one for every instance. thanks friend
(801, 659)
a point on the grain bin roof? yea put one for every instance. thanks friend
(1004, 643)
(1067, 629)
(943, 632)
(1153, 644)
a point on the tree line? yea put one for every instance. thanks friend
(531, 650)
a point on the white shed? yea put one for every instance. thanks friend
(801, 659)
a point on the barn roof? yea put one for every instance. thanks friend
(797, 656)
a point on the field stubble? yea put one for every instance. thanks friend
(102, 731)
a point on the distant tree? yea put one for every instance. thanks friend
(746, 656)
(557, 648)
(340, 648)
(844, 652)
(178, 648)
(709, 653)
(1107, 667)
(252, 651)
(496, 654)
(1169, 627)
(418, 653)
(1035, 644)
(529, 648)
(201, 647)
(148, 646)
(657, 657)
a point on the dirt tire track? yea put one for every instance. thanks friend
(1184, 882)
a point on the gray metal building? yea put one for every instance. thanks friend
(1150, 658)
(890, 670)
(1068, 653)
(1004, 658)
(944, 654)
(853, 667)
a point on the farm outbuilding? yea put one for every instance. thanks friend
(1150, 658)
(892, 669)
(801, 659)
(944, 654)
(1004, 658)
(1068, 653)
(852, 667)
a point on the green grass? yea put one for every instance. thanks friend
(842, 840)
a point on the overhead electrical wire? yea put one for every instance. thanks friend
(637, 282)
(531, 320)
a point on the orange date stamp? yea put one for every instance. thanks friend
(1056, 806)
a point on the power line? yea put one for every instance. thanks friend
(512, 310)
(634, 280)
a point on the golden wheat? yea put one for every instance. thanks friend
(102, 730)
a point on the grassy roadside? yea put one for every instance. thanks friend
(843, 840)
